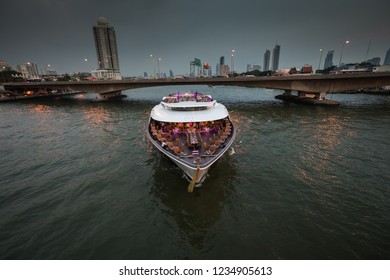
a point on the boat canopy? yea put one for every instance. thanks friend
(189, 112)
(189, 105)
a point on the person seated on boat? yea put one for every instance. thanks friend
(171, 145)
(177, 151)
(164, 144)
(212, 149)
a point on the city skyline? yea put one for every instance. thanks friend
(59, 32)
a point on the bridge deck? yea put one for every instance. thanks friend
(307, 83)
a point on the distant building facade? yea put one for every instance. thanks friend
(275, 57)
(4, 66)
(253, 67)
(374, 61)
(387, 58)
(106, 51)
(267, 58)
(328, 60)
(224, 70)
(50, 72)
(28, 70)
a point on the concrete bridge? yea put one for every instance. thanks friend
(317, 84)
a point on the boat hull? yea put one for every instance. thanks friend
(307, 100)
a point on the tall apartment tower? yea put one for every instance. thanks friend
(328, 60)
(106, 51)
(387, 58)
(222, 60)
(275, 57)
(267, 58)
(28, 70)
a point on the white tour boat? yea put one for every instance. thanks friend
(193, 130)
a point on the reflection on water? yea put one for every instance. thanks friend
(194, 213)
(319, 146)
(97, 115)
(40, 108)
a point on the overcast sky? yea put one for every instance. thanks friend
(59, 33)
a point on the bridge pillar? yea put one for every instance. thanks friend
(112, 95)
(322, 95)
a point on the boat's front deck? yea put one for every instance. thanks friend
(195, 146)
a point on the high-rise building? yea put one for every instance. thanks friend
(328, 60)
(224, 70)
(275, 57)
(106, 51)
(267, 57)
(222, 60)
(28, 70)
(387, 58)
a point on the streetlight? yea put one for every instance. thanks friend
(158, 67)
(154, 66)
(233, 52)
(89, 64)
(319, 63)
(342, 50)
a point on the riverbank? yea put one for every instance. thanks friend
(10, 96)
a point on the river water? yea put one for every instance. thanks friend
(79, 180)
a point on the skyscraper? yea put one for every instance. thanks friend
(275, 57)
(222, 60)
(387, 58)
(267, 57)
(328, 60)
(106, 50)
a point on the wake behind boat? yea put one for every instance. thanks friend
(193, 130)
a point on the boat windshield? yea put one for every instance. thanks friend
(187, 97)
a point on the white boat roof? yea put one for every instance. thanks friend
(189, 104)
(161, 113)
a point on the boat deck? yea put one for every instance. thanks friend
(194, 147)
